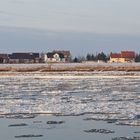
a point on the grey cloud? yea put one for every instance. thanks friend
(16, 15)
(24, 39)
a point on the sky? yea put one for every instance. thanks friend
(81, 26)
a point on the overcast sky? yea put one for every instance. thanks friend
(80, 26)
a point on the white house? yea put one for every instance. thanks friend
(53, 57)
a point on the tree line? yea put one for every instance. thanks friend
(92, 57)
(98, 57)
(137, 59)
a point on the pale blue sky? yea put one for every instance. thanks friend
(78, 25)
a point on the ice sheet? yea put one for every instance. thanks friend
(107, 95)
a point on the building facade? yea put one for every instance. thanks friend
(4, 58)
(57, 56)
(124, 56)
(24, 58)
(67, 54)
(53, 57)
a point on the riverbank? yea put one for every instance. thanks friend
(62, 67)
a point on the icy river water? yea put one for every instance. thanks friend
(70, 106)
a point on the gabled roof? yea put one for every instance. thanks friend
(61, 55)
(24, 55)
(51, 55)
(36, 55)
(115, 55)
(65, 53)
(123, 54)
(128, 54)
(4, 56)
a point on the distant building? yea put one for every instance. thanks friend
(4, 58)
(54, 57)
(124, 56)
(24, 58)
(67, 54)
(57, 56)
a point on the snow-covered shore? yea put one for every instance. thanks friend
(71, 67)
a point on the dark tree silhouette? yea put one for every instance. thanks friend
(101, 56)
(137, 58)
(88, 57)
(75, 60)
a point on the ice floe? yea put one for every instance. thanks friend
(108, 96)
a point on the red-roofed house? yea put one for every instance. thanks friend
(128, 54)
(124, 56)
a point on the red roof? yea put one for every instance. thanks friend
(128, 54)
(123, 54)
(115, 55)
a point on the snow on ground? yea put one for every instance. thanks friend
(65, 65)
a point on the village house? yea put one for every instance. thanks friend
(24, 58)
(54, 57)
(57, 56)
(4, 58)
(124, 56)
(67, 54)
